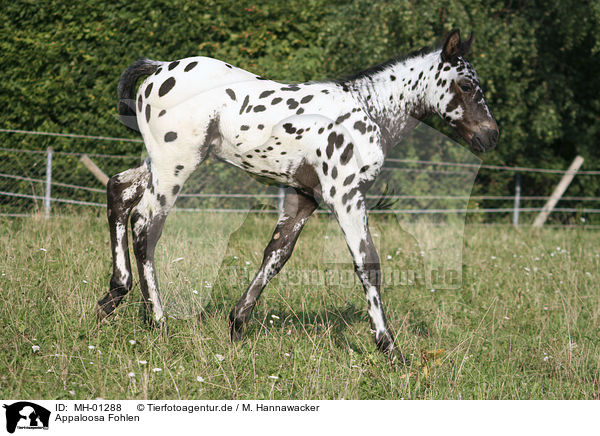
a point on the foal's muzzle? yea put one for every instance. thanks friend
(484, 140)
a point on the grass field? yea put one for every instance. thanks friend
(524, 324)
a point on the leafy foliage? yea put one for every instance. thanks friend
(538, 62)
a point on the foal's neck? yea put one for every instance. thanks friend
(398, 93)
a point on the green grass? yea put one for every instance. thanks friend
(524, 324)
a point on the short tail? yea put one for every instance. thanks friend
(127, 88)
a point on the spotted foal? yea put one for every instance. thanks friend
(325, 140)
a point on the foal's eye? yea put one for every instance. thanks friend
(466, 87)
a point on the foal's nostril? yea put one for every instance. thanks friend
(493, 136)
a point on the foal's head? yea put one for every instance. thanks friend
(460, 98)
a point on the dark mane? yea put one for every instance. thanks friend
(378, 68)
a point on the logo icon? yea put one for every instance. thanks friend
(26, 415)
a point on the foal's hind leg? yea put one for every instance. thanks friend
(124, 191)
(297, 208)
(147, 222)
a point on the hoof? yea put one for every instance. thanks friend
(162, 328)
(398, 358)
(105, 308)
(235, 328)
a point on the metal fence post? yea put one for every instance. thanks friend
(517, 199)
(48, 182)
(281, 195)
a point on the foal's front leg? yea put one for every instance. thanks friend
(297, 208)
(366, 264)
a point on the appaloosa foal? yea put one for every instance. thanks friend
(328, 140)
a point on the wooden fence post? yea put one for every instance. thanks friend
(47, 201)
(558, 191)
(90, 165)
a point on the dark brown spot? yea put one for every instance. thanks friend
(148, 90)
(265, 94)
(230, 93)
(189, 66)
(347, 154)
(342, 118)
(244, 104)
(360, 126)
(348, 179)
(166, 86)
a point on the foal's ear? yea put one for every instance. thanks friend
(452, 46)
(465, 46)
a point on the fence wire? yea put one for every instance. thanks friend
(24, 188)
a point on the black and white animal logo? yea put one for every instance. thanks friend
(326, 140)
(26, 415)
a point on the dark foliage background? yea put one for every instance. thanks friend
(538, 61)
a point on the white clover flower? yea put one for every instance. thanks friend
(132, 341)
(195, 291)
(131, 374)
(200, 379)
(35, 348)
(142, 362)
(389, 257)
(91, 347)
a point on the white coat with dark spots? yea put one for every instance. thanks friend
(326, 141)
